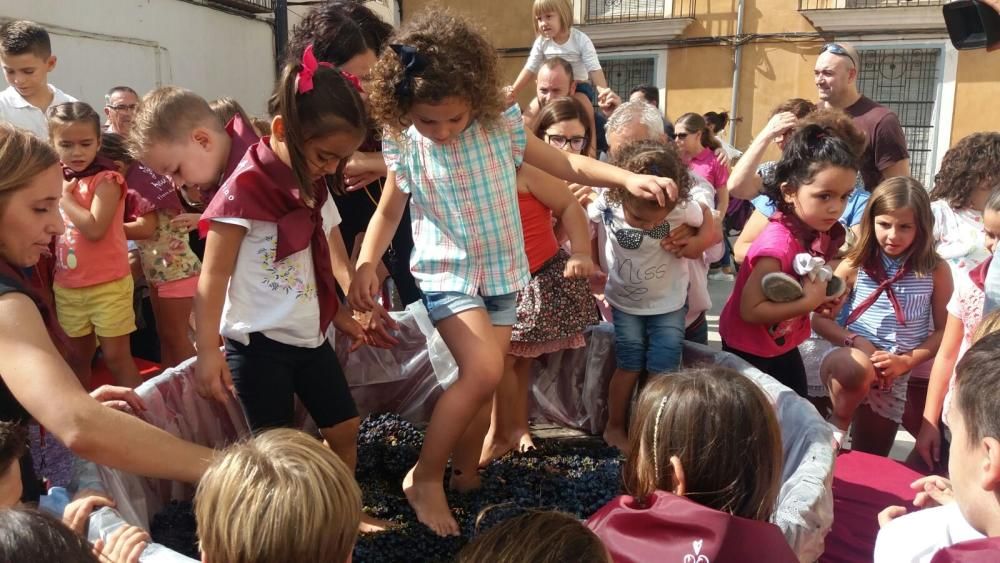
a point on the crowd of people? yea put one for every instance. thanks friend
(394, 167)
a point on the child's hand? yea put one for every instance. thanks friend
(212, 377)
(364, 288)
(830, 309)
(932, 491)
(186, 221)
(890, 366)
(509, 98)
(889, 514)
(598, 282)
(652, 187)
(928, 444)
(678, 239)
(344, 322)
(124, 545)
(119, 398)
(583, 194)
(722, 157)
(77, 513)
(579, 265)
(377, 328)
(608, 102)
(814, 291)
(69, 186)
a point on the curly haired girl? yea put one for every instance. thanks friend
(453, 152)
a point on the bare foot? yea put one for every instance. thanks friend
(526, 444)
(616, 437)
(465, 482)
(429, 502)
(370, 524)
(495, 447)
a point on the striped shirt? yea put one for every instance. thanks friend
(879, 325)
(466, 223)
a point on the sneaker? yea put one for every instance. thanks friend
(836, 287)
(780, 287)
(721, 276)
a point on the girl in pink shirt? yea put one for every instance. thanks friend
(811, 186)
(93, 281)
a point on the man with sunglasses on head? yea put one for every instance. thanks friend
(836, 76)
(120, 104)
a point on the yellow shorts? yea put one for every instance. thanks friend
(104, 308)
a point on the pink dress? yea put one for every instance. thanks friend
(777, 242)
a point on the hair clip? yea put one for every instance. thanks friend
(413, 64)
(309, 67)
(656, 439)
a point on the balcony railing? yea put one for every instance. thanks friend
(628, 11)
(866, 4)
(249, 6)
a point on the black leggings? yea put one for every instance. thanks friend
(787, 368)
(268, 375)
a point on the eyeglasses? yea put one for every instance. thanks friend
(559, 141)
(838, 49)
(631, 239)
(124, 107)
(681, 136)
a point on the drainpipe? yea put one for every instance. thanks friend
(281, 34)
(738, 59)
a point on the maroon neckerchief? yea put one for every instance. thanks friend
(986, 550)
(673, 528)
(243, 136)
(156, 192)
(978, 274)
(100, 164)
(263, 188)
(877, 273)
(820, 244)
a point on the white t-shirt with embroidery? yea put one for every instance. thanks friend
(277, 299)
(916, 537)
(578, 51)
(646, 280)
(14, 109)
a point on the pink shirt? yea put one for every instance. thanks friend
(776, 241)
(707, 166)
(81, 262)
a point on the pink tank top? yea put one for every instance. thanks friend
(540, 242)
(84, 263)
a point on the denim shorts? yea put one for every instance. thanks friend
(653, 342)
(443, 304)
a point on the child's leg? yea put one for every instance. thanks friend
(172, 317)
(878, 418)
(117, 352)
(471, 339)
(630, 355)
(82, 357)
(522, 373)
(264, 378)
(498, 439)
(665, 334)
(848, 375)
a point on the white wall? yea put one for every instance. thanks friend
(150, 43)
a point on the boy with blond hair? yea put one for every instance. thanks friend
(27, 59)
(280, 496)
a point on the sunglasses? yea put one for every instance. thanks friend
(681, 136)
(838, 49)
(631, 239)
(560, 141)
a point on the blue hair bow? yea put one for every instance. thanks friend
(413, 64)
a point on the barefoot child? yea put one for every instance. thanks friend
(812, 183)
(93, 282)
(899, 292)
(450, 145)
(268, 274)
(647, 286)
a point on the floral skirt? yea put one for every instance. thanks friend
(552, 311)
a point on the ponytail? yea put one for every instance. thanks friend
(332, 105)
(812, 148)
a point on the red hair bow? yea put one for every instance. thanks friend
(309, 67)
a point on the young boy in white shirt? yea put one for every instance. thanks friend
(973, 465)
(27, 59)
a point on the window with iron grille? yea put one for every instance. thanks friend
(615, 11)
(623, 74)
(249, 6)
(907, 80)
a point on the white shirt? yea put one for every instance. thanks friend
(647, 280)
(916, 537)
(14, 109)
(277, 299)
(699, 299)
(959, 236)
(578, 51)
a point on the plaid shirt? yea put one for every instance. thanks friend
(466, 223)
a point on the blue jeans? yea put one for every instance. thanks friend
(992, 287)
(443, 304)
(653, 342)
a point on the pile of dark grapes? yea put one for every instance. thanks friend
(574, 476)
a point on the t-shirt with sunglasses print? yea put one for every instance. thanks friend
(643, 278)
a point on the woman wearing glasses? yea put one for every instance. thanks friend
(557, 304)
